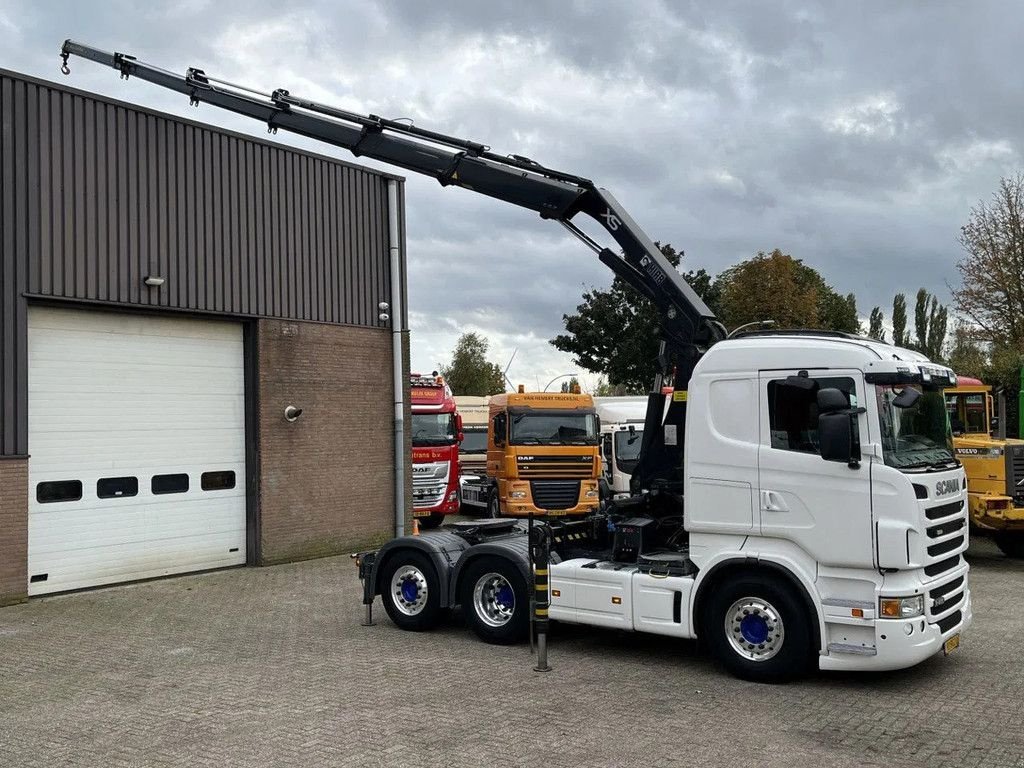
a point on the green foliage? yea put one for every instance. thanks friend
(470, 373)
(571, 385)
(966, 355)
(615, 332)
(899, 320)
(876, 328)
(930, 320)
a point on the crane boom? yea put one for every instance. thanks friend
(687, 325)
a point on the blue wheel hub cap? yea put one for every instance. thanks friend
(754, 629)
(410, 591)
(505, 597)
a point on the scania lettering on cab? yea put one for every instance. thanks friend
(994, 466)
(799, 503)
(542, 457)
(436, 434)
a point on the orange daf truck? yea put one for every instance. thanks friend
(542, 457)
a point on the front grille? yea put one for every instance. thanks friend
(946, 546)
(940, 592)
(555, 494)
(945, 528)
(1015, 473)
(556, 466)
(942, 566)
(428, 489)
(950, 621)
(944, 510)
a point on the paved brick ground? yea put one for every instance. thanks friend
(269, 667)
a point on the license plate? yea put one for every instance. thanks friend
(951, 644)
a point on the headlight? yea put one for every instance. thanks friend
(453, 496)
(517, 495)
(901, 607)
(592, 494)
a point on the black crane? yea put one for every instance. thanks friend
(687, 326)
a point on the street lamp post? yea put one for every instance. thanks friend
(561, 376)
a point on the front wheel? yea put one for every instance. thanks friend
(758, 630)
(411, 592)
(1011, 543)
(493, 504)
(495, 601)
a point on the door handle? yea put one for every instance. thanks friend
(773, 502)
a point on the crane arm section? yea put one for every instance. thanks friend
(688, 326)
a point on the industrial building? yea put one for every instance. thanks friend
(200, 335)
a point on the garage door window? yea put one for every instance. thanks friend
(169, 484)
(59, 490)
(217, 481)
(117, 487)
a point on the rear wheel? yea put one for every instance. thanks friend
(411, 591)
(758, 629)
(1011, 543)
(431, 521)
(495, 601)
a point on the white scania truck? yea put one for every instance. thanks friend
(622, 432)
(801, 502)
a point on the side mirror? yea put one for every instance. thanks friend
(460, 436)
(458, 424)
(838, 437)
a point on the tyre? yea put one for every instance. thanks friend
(431, 521)
(411, 591)
(758, 629)
(495, 601)
(1011, 543)
(493, 504)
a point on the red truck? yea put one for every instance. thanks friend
(436, 434)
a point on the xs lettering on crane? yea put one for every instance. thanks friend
(611, 221)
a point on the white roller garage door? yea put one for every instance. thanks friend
(137, 445)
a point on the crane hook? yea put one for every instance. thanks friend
(64, 68)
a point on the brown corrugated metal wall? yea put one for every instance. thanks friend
(95, 195)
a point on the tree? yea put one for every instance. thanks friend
(930, 320)
(775, 286)
(991, 293)
(572, 385)
(470, 373)
(966, 355)
(876, 329)
(899, 321)
(615, 332)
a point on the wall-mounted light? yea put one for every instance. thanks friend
(154, 282)
(291, 413)
(383, 308)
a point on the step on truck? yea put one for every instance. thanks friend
(994, 466)
(436, 429)
(542, 457)
(800, 504)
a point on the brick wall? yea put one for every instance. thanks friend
(326, 481)
(13, 530)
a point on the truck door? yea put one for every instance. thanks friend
(823, 506)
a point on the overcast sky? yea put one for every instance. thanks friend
(855, 136)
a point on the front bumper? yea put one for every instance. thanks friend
(895, 649)
(995, 519)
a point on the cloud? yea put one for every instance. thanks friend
(855, 141)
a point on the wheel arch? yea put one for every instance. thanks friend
(441, 549)
(514, 551)
(734, 566)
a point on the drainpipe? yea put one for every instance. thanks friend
(396, 350)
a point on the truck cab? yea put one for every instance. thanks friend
(436, 429)
(542, 456)
(994, 466)
(622, 432)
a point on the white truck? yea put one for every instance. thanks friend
(622, 432)
(801, 502)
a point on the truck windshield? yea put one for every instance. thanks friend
(554, 428)
(627, 449)
(917, 437)
(433, 429)
(475, 441)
